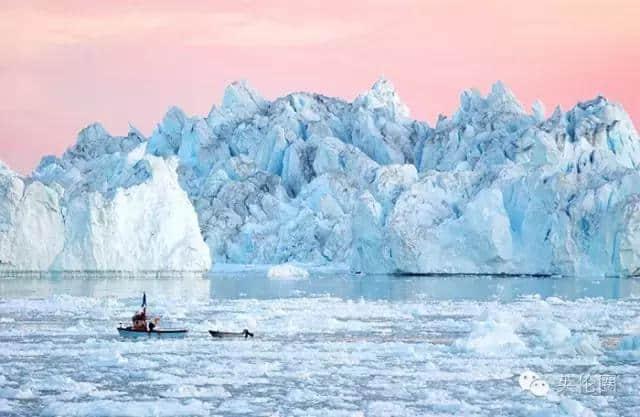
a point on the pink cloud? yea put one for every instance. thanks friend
(66, 64)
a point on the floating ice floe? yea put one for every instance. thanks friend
(630, 343)
(5, 406)
(157, 407)
(287, 272)
(493, 334)
(629, 348)
(575, 408)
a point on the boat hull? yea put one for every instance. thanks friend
(158, 333)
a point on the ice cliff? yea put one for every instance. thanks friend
(105, 205)
(312, 179)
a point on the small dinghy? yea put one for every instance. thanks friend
(162, 333)
(220, 335)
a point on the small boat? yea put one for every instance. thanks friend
(162, 333)
(219, 335)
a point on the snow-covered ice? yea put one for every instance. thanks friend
(287, 271)
(146, 226)
(493, 334)
(330, 345)
(312, 179)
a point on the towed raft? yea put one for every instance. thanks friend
(220, 335)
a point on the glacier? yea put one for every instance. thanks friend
(105, 205)
(315, 180)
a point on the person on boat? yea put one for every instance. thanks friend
(139, 319)
(153, 323)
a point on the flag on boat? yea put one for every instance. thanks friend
(144, 299)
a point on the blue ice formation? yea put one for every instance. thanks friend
(313, 179)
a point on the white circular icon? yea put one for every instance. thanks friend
(526, 379)
(530, 381)
(539, 388)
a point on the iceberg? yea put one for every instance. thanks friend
(31, 222)
(316, 180)
(147, 226)
(105, 205)
(287, 272)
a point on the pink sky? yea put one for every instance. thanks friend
(65, 64)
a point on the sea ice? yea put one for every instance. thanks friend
(574, 408)
(339, 345)
(494, 334)
(5, 406)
